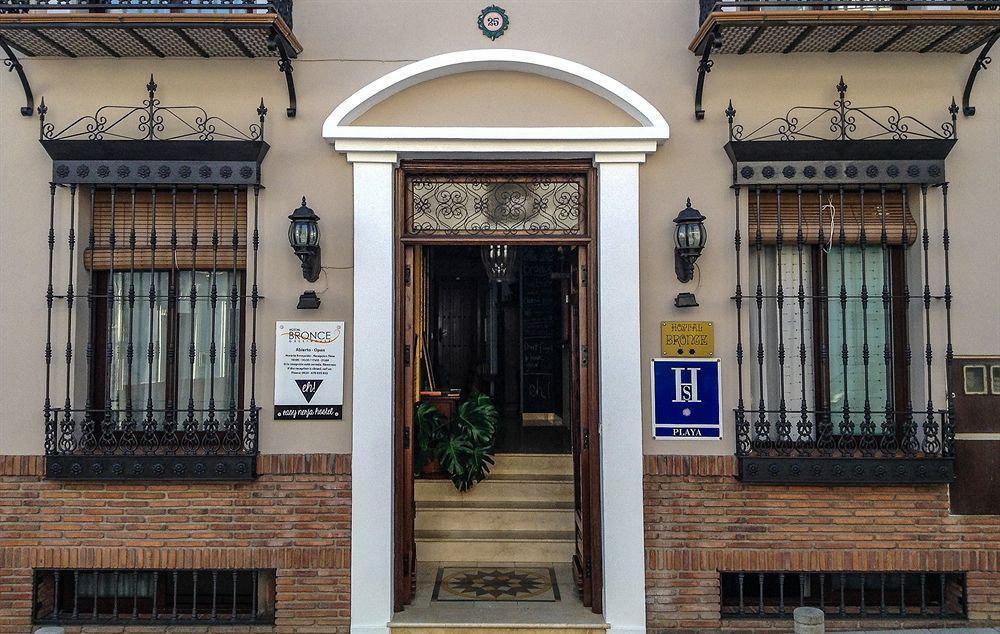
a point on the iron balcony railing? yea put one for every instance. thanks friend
(280, 7)
(708, 6)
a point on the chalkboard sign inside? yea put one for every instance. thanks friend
(541, 356)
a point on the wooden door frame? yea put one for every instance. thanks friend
(589, 372)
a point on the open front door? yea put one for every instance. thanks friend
(578, 352)
(405, 560)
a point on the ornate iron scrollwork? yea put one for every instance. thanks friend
(496, 206)
(843, 121)
(151, 121)
(14, 65)
(982, 61)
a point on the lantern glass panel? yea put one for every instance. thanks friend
(303, 233)
(695, 235)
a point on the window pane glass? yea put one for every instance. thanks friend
(975, 379)
(848, 388)
(202, 381)
(137, 384)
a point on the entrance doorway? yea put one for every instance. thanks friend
(495, 306)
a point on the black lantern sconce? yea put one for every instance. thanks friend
(689, 241)
(303, 235)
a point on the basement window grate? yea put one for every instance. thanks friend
(855, 595)
(117, 597)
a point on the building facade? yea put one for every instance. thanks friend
(690, 434)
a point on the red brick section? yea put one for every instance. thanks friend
(700, 520)
(295, 518)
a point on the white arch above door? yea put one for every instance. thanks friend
(651, 131)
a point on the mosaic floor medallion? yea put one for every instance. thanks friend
(495, 584)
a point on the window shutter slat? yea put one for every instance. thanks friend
(99, 257)
(830, 211)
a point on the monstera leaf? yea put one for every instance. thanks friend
(463, 445)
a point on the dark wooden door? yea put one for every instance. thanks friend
(405, 560)
(457, 336)
(580, 407)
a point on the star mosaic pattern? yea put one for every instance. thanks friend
(495, 584)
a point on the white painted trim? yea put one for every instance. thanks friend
(618, 152)
(337, 128)
(621, 368)
(372, 431)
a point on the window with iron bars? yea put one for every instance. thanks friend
(161, 324)
(148, 597)
(839, 309)
(855, 595)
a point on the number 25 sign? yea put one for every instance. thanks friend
(493, 21)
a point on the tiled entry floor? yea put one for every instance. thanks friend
(566, 610)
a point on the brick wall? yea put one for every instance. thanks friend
(700, 520)
(295, 518)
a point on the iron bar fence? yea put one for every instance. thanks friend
(708, 6)
(842, 320)
(843, 296)
(147, 597)
(280, 7)
(162, 328)
(852, 595)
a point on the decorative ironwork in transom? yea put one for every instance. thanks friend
(496, 205)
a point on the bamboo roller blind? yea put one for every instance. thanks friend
(206, 218)
(832, 212)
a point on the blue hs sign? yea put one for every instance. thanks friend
(687, 398)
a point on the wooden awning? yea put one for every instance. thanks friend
(912, 31)
(69, 33)
(147, 34)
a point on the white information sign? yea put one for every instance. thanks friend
(309, 370)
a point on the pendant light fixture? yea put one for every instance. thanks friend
(499, 261)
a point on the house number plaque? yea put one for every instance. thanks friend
(687, 338)
(493, 21)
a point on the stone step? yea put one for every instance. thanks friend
(499, 487)
(490, 628)
(506, 546)
(532, 463)
(495, 515)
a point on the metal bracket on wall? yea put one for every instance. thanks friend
(285, 66)
(982, 61)
(705, 67)
(14, 65)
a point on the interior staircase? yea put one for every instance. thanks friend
(521, 513)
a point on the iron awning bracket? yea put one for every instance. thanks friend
(982, 61)
(705, 67)
(14, 65)
(285, 66)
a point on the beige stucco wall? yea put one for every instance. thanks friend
(348, 44)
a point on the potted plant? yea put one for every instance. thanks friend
(431, 430)
(463, 445)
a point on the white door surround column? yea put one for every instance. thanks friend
(372, 477)
(617, 152)
(620, 372)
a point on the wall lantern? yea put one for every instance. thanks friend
(303, 235)
(689, 240)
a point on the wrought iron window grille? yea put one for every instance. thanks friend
(170, 271)
(146, 39)
(150, 597)
(848, 31)
(841, 299)
(845, 595)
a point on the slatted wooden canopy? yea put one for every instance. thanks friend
(915, 31)
(750, 27)
(73, 32)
